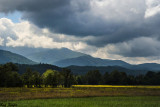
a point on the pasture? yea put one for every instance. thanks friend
(77, 91)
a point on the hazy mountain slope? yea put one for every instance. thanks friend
(53, 55)
(146, 66)
(25, 51)
(44, 55)
(6, 56)
(65, 57)
(90, 61)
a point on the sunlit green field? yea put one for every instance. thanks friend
(146, 101)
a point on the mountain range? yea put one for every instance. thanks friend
(87, 60)
(44, 55)
(64, 58)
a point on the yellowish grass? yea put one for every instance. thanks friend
(113, 86)
(77, 91)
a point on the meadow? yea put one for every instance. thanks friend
(120, 101)
(77, 91)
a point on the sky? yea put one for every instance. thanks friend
(127, 30)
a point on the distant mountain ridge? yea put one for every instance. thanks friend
(6, 56)
(64, 57)
(146, 66)
(53, 55)
(84, 69)
(90, 61)
(44, 55)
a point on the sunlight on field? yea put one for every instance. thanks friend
(114, 86)
(23, 93)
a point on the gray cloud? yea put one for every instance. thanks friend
(139, 47)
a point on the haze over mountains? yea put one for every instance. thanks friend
(64, 57)
(44, 55)
(90, 61)
(6, 56)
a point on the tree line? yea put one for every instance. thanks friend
(9, 77)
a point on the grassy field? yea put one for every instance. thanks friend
(7, 94)
(143, 101)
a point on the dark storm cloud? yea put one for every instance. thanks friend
(30, 5)
(68, 19)
(72, 17)
(57, 15)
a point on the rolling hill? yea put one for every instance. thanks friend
(84, 69)
(41, 68)
(6, 56)
(78, 70)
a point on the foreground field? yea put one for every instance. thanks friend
(7, 94)
(146, 101)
